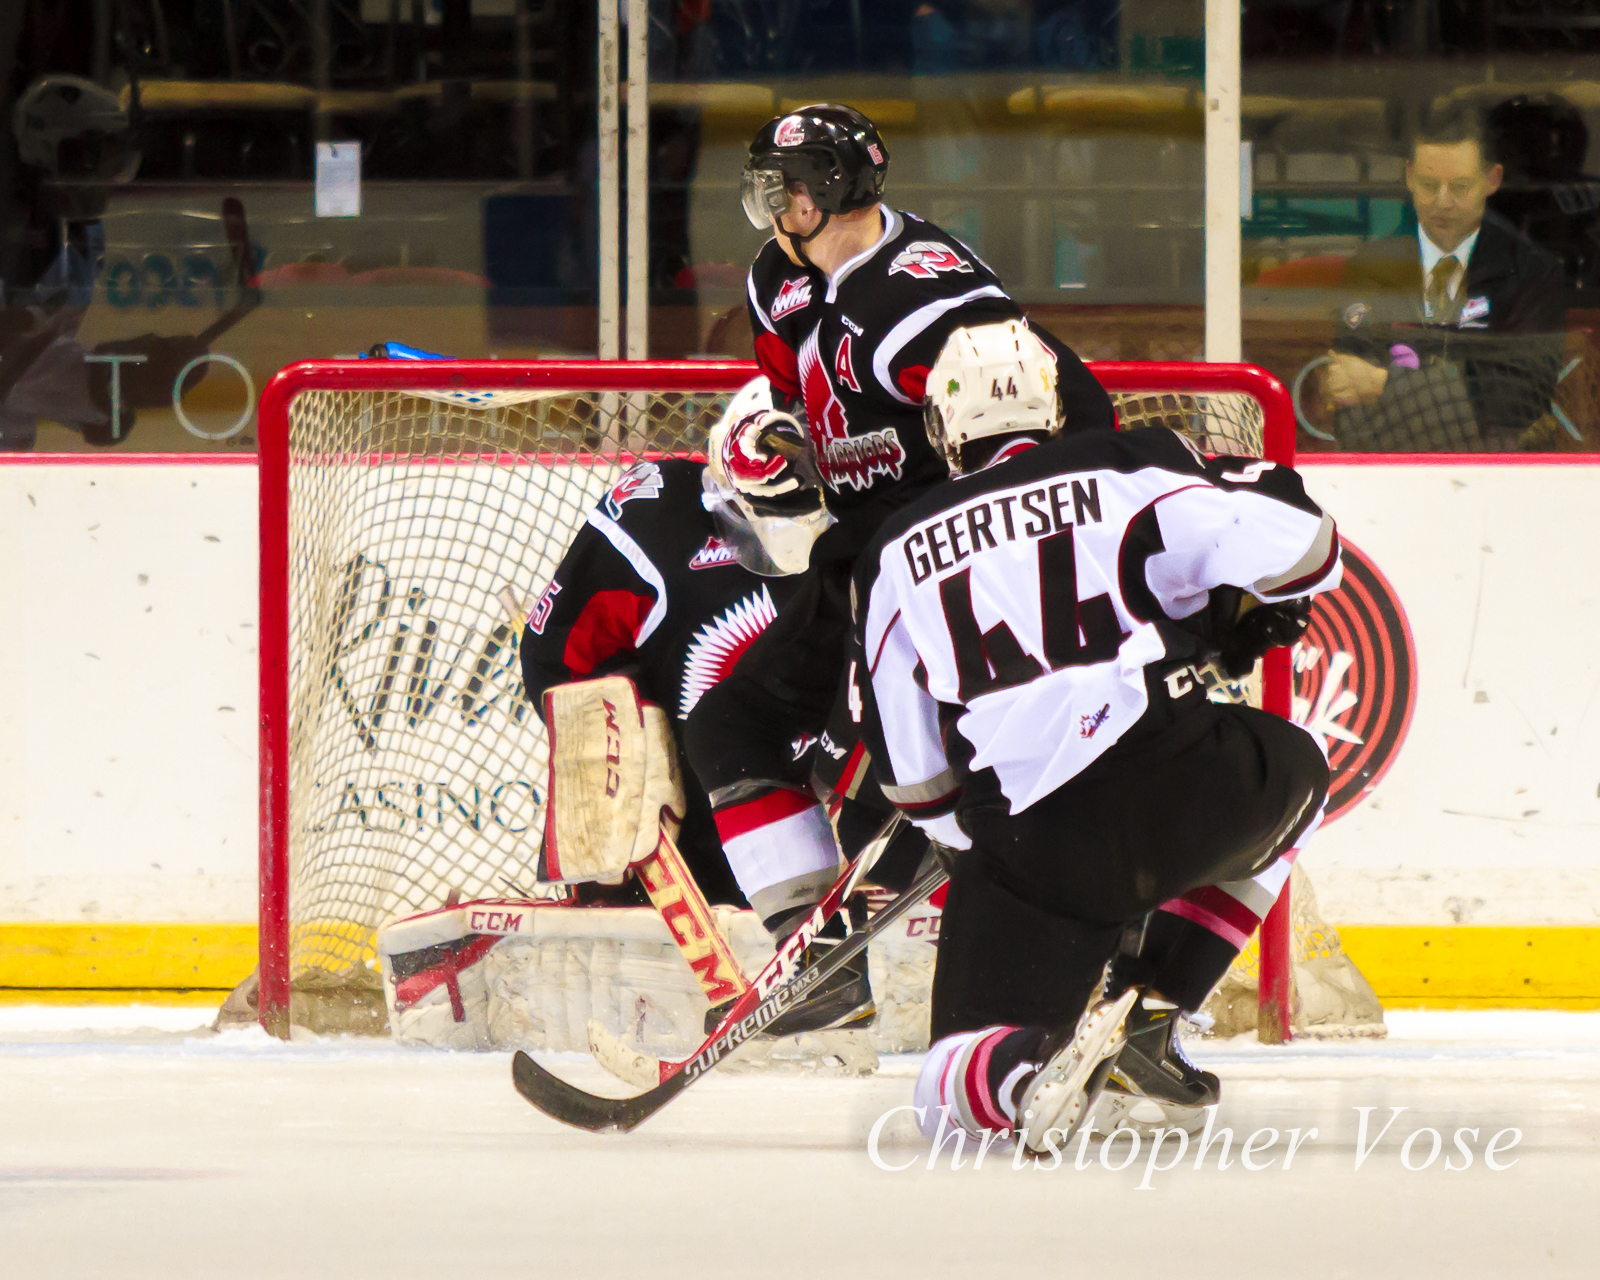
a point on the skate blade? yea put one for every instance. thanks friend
(1145, 1116)
(1059, 1096)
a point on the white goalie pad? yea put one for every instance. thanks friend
(435, 969)
(613, 770)
(506, 974)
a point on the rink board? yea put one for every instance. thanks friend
(128, 733)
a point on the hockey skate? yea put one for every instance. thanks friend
(1063, 1092)
(1152, 1084)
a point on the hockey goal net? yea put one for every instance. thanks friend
(408, 509)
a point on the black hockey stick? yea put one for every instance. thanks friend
(754, 1010)
(238, 233)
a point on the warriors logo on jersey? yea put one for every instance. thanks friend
(843, 459)
(719, 644)
(642, 481)
(924, 259)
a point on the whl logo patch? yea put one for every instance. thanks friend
(923, 260)
(794, 295)
(716, 552)
(642, 481)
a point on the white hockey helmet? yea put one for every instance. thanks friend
(762, 484)
(990, 380)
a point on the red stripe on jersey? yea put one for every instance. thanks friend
(913, 381)
(606, 627)
(852, 766)
(937, 897)
(779, 362)
(915, 809)
(1301, 585)
(878, 657)
(775, 806)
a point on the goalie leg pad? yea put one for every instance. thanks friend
(613, 773)
(434, 966)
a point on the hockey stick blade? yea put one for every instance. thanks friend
(582, 1110)
(639, 1069)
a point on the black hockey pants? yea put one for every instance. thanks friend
(1037, 907)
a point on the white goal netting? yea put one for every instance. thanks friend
(418, 524)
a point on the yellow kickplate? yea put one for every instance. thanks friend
(79, 996)
(105, 956)
(1476, 966)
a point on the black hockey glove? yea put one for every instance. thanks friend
(1267, 626)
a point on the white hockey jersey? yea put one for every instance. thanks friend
(1010, 623)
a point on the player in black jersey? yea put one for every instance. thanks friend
(1027, 639)
(850, 302)
(656, 586)
(673, 575)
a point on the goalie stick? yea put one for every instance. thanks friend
(632, 1066)
(768, 997)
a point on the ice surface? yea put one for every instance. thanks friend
(135, 1143)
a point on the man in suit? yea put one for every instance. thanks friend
(1454, 338)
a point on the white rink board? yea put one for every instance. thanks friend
(1490, 813)
(128, 723)
(127, 793)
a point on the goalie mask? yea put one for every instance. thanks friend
(990, 380)
(762, 485)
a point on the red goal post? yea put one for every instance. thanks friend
(388, 415)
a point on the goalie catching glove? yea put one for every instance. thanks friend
(613, 781)
(762, 485)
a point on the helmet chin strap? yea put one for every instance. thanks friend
(799, 242)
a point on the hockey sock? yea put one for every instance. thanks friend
(781, 849)
(1191, 940)
(973, 1077)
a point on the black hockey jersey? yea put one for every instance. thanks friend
(648, 587)
(1011, 624)
(856, 347)
(648, 584)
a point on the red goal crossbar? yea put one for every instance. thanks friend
(1149, 378)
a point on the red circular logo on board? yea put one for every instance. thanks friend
(1355, 679)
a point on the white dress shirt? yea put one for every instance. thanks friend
(1431, 253)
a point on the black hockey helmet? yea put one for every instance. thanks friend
(834, 150)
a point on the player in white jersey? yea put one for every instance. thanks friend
(1026, 638)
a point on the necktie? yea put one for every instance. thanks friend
(1442, 308)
